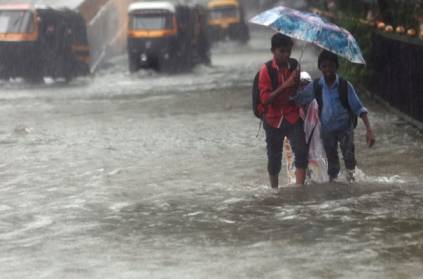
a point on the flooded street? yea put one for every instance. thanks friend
(162, 176)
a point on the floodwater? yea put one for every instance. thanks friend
(162, 176)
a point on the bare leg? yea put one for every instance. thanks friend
(300, 175)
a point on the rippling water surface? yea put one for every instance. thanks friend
(162, 176)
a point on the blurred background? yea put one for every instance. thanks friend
(129, 148)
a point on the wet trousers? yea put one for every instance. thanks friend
(345, 138)
(274, 142)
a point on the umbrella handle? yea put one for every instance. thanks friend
(302, 53)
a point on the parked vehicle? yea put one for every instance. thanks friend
(37, 42)
(227, 20)
(167, 36)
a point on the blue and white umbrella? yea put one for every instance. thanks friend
(311, 28)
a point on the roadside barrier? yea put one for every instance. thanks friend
(398, 68)
(106, 24)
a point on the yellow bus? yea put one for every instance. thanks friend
(226, 20)
(167, 36)
(36, 42)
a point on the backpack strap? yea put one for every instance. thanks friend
(318, 91)
(343, 95)
(272, 74)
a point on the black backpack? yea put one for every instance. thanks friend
(274, 79)
(343, 95)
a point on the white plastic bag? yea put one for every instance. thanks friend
(317, 161)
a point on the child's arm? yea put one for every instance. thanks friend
(291, 82)
(370, 137)
(361, 111)
(304, 96)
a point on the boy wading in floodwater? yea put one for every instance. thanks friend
(339, 107)
(278, 82)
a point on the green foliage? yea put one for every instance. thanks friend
(399, 12)
(403, 13)
(353, 7)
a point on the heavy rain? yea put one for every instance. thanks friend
(145, 172)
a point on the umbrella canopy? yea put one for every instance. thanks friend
(311, 28)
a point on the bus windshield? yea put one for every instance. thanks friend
(224, 12)
(12, 21)
(151, 21)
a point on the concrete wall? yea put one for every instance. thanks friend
(107, 22)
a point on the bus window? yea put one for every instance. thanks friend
(224, 12)
(151, 22)
(16, 21)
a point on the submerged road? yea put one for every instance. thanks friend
(162, 176)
